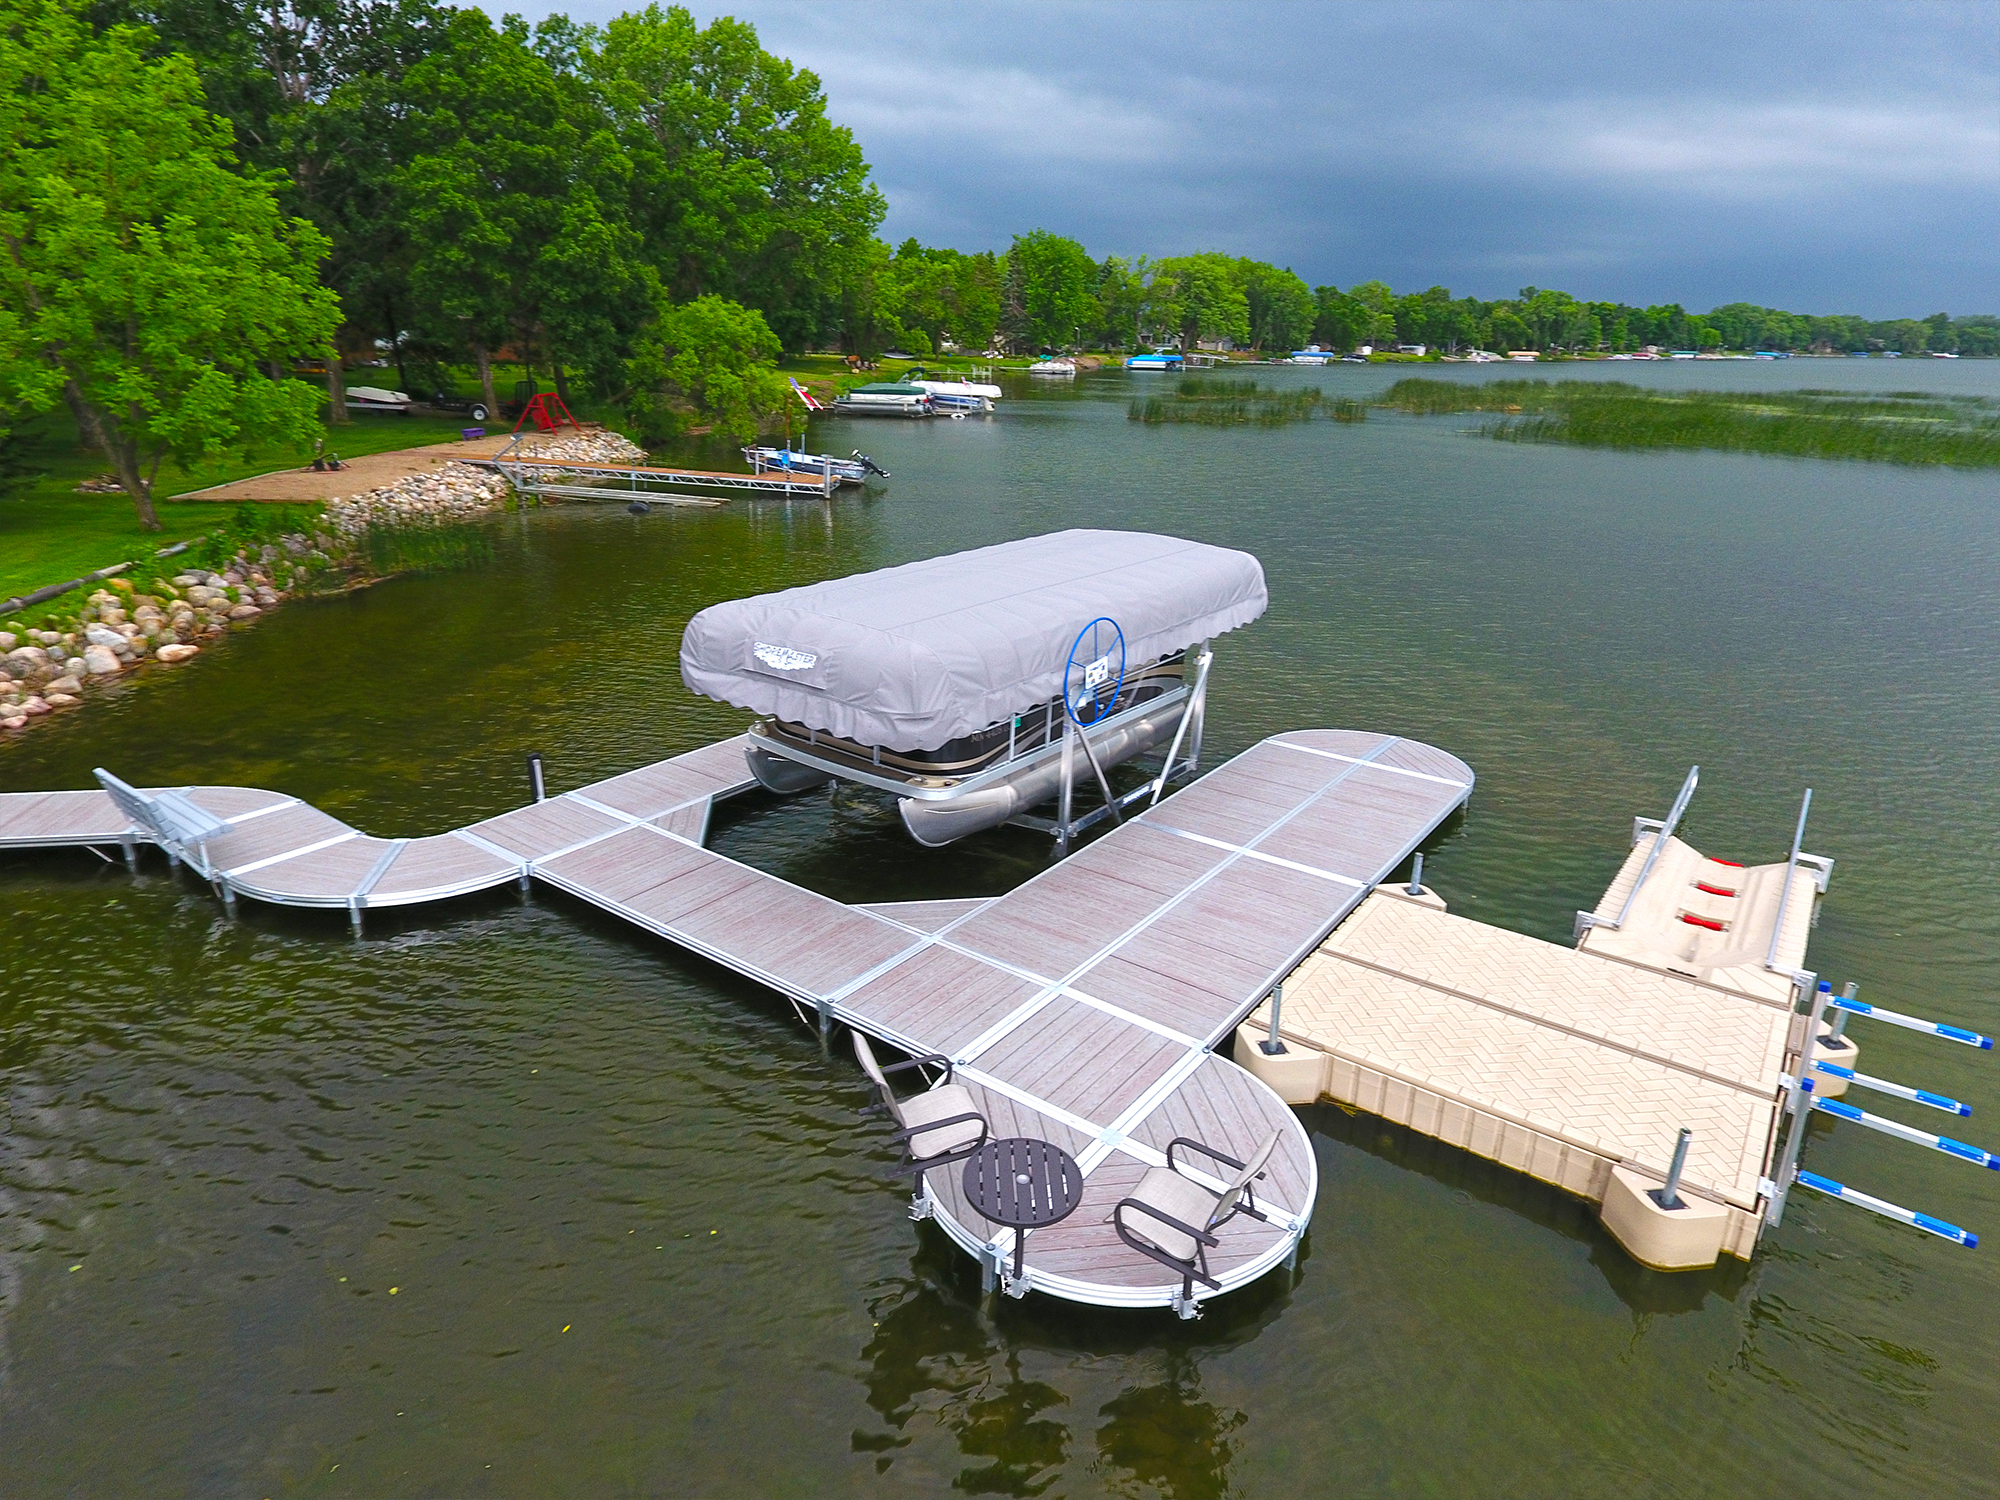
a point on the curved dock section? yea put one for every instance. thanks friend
(1081, 1008)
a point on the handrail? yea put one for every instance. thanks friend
(1785, 892)
(1660, 838)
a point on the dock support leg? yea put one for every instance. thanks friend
(1197, 711)
(1274, 1046)
(228, 894)
(825, 1009)
(354, 914)
(131, 848)
(1068, 791)
(1416, 886)
(1782, 1171)
(989, 1269)
(535, 782)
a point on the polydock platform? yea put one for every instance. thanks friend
(1574, 1065)
(1082, 1008)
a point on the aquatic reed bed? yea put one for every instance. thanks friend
(1904, 427)
(1241, 403)
(426, 546)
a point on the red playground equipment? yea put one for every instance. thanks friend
(547, 408)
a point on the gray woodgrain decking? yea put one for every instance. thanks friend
(1080, 1007)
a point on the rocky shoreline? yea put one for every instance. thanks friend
(123, 627)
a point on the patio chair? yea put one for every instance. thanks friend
(937, 1127)
(1171, 1218)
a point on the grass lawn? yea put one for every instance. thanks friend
(49, 533)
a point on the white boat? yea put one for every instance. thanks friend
(958, 395)
(1159, 359)
(885, 398)
(374, 398)
(1053, 367)
(976, 687)
(853, 470)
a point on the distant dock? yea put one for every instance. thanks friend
(577, 480)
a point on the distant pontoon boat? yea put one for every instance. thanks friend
(885, 398)
(977, 686)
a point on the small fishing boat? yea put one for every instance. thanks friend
(1159, 359)
(853, 470)
(1053, 367)
(975, 687)
(374, 398)
(885, 398)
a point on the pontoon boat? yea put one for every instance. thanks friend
(885, 398)
(977, 686)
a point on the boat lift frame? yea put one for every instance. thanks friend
(1067, 824)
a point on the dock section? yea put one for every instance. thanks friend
(1579, 1066)
(1081, 1008)
(578, 480)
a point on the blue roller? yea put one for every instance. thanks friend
(1889, 1210)
(1900, 1091)
(1904, 1132)
(1911, 1023)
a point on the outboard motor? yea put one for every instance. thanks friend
(869, 464)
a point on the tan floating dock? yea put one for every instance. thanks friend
(1578, 1066)
(1081, 1008)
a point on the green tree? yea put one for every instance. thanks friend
(1279, 306)
(1049, 286)
(740, 184)
(706, 362)
(511, 195)
(150, 286)
(1121, 301)
(311, 87)
(1207, 297)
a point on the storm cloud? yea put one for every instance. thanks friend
(1820, 157)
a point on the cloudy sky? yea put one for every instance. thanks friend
(1815, 156)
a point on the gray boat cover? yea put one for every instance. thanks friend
(914, 657)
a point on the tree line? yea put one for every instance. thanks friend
(1047, 292)
(199, 194)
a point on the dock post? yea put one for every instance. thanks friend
(825, 1009)
(1068, 787)
(354, 913)
(535, 783)
(1272, 1046)
(1840, 1016)
(1416, 886)
(131, 848)
(1668, 1196)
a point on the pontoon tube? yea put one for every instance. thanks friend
(935, 824)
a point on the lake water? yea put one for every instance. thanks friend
(509, 1198)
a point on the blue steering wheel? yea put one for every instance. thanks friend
(1095, 671)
